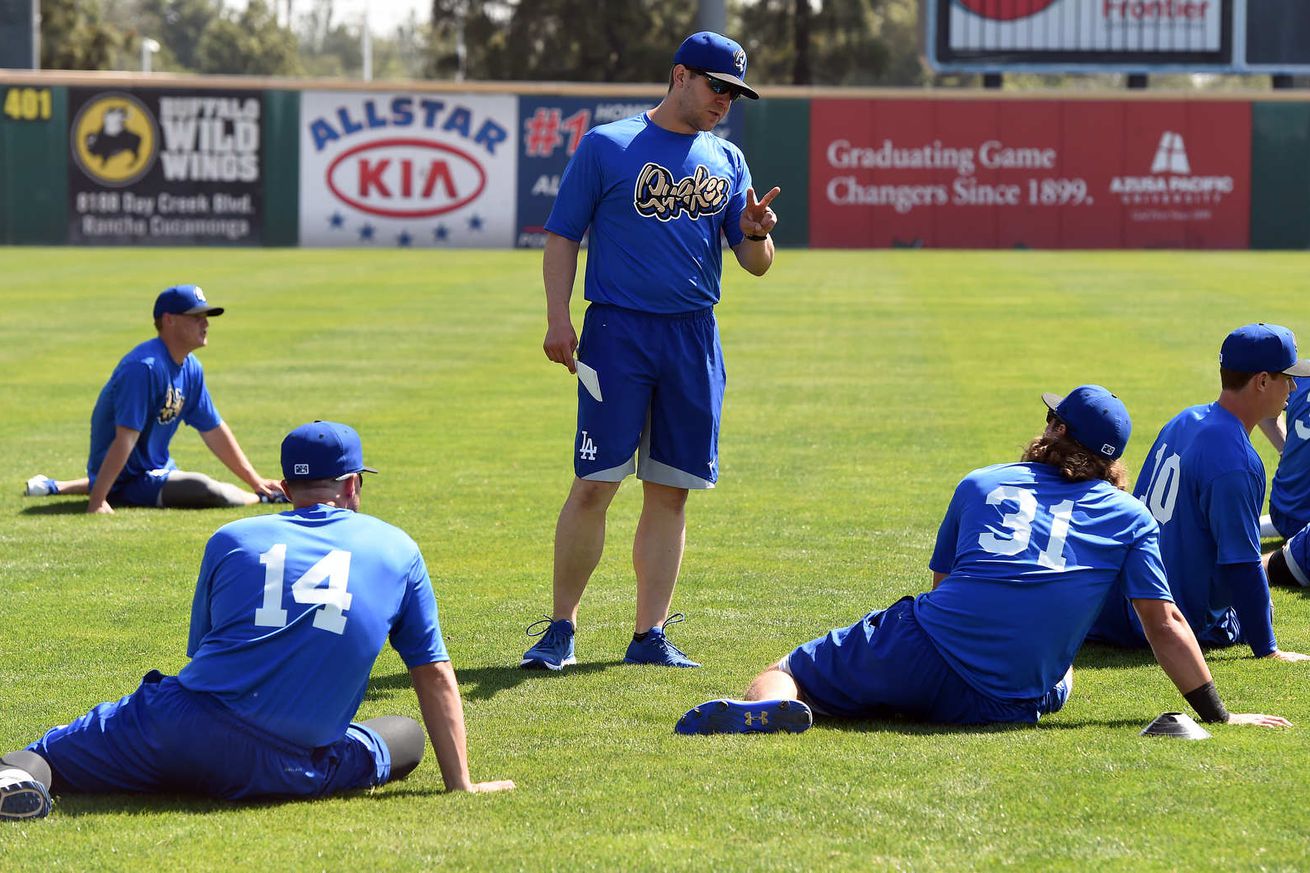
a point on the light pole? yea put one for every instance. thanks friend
(148, 48)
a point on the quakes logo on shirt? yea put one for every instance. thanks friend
(658, 196)
(114, 139)
(172, 407)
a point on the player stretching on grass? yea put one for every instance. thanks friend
(658, 191)
(155, 387)
(1025, 557)
(290, 612)
(1205, 484)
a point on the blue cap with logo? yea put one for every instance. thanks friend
(1262, 348)
(718, 57)
(184, 300)
(322, 450)
(1094, 417)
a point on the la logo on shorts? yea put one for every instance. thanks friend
(588, 450)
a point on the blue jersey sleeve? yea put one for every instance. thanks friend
(948, 534)
(580, 189)
(1142, 576)
(132, 390)
(737, 204)
(201, 622)
(416, 634)
(1232, 504)
(202, 415)
(1249, 591)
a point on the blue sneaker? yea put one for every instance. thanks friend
(554, 651)
(746, 717)
(21, 796)
(656, 648)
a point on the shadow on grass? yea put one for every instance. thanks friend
(77, 805)
(484, 683)
(57, 507)
(894, 725)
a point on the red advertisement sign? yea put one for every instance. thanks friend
(1037, 174)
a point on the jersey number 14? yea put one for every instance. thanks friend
(333, 568)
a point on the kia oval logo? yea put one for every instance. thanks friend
(406, 178)
(1005, 10)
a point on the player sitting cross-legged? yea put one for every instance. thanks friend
(1025, 557)
(290, 612)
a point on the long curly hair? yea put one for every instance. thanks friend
(1074, 461)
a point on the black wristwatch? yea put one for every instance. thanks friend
(757, 238)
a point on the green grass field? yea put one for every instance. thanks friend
(862, 386)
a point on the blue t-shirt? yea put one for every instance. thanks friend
(1030, 559)
(656, 202)
(291, 611)
(1290, 494)
(151, 393)
(1205, 485)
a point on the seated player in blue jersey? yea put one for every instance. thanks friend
(290, 612)
(154, 389)
(1025, 557)
(1290, 564)
(1289, 495)
(657, 195)
(1204, 483)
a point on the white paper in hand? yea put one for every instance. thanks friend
(590, 380)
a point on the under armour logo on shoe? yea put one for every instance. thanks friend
(763, 718)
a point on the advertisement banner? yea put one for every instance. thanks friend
(1038, 174)
(1120, 26)
(165, 167)
(408, 170)
(551, 128)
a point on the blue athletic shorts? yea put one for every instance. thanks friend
(661, 385)
(1285, 524)
(886, 665)
(163, 737)
(1118, 625)
(144, 490)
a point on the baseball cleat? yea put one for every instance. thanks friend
(554, 651)
(746, 717)
(40, 485)
(21, 796)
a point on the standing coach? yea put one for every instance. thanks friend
(657, 192)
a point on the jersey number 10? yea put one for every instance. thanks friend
(334, 568)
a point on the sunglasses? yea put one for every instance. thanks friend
(716, 86)
(1051, 416)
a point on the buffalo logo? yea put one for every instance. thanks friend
(739, 61)
(115, 139)
(658, 196)
(1005, 10)
(172, 407)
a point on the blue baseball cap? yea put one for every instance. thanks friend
(184, 300)
(322, 450)
(1262, 348)
(1095, 418)
(718, 57)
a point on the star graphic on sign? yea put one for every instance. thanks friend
(440, 233)
(404, 239)
(336, 220)
(475, 223)
(366, 232)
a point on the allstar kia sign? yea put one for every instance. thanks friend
(1030, 174)
(407, 170)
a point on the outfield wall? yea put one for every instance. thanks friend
(125, 159)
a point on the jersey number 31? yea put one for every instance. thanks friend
(333, 568)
